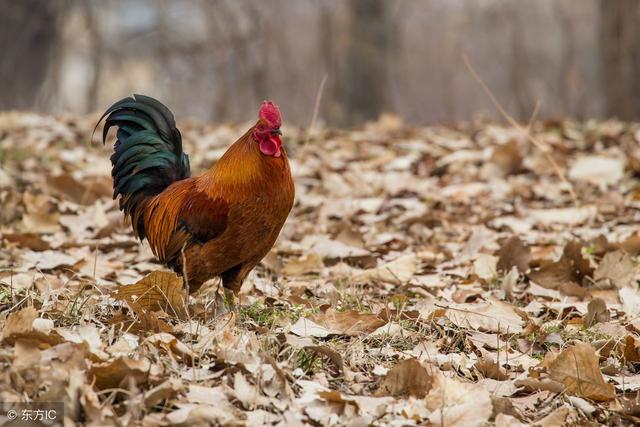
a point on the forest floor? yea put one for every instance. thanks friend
(426, 276)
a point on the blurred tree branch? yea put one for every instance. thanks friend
(29, 42)
(620, 57)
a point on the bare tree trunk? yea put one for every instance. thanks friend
(29, 37)
(97, 55)
(364, 78)
(620, 57)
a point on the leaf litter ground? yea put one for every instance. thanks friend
(426, 276)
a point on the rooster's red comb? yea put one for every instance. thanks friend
(270, 113)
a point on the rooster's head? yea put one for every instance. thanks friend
(267, 131)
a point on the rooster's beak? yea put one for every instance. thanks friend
(276, 132)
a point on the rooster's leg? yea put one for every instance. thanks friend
(230, 299)
(232, 281)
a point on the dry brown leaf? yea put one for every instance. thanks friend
(507, 157)
(41, 222)
(490, 369)
(27, 240)
(535, 384)
(408, 378)
(572, 289)
(631, 352)
(26, 356)
(84, 192)
(494, 316)
(455, 403)
(577, 368)
(597, 312)
(571, 267)
(554, 419)
(348, 323)
(163, 391)
(308, 263)
(145, 322)
(172, 344)
(159, 290)
(631, 245)
(118, 372)
(25, 324)
(206, 405)
(514, 253)
(220, 413)
(396, 272)
(616, 269)
(248, 394)
(331, 354)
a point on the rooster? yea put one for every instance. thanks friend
(218, 224)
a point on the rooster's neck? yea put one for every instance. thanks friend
(244, 165)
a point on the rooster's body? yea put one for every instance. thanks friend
(221, 223)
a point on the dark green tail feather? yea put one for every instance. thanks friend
(147, 154)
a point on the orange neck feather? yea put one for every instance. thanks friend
(243, 164)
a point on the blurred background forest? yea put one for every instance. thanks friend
(216, 59)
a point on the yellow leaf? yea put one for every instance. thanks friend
(159, 290)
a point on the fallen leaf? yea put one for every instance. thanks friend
(596, 312)
(41, 222)
(504, 420)
(507, 157)
(597, 170)
(349, 323)
(616, 269)
(159, 290)
(577, 368)
(309, 263)
(220, 413)
(546, 384)
(490, 369)
(118, 372)
(564, 216)
(630, 300)
(247, 393)
(454, 403)
(162, 392)
(332, 249)
(631, 352)
(571, 267)
(509, 282)
(554, 419)
(82, 192)
(396, 272)
(408, 378)
(27, 240)
(308, 328)
(25, 324)
(46, 260)
(331, 354)
(485, 266)
(493, 316)
(172, 344)
(514, 253)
